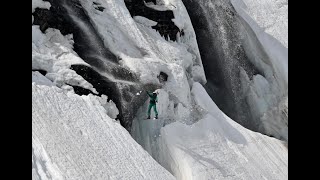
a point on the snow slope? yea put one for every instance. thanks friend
(216, 147)
(73, 138)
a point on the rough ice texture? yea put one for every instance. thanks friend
(73, 138)
(216, 147)
(268, 95)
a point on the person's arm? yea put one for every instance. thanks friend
(148, 94)
(157, 99)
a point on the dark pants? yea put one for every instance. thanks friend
(154, 109)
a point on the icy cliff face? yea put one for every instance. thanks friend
(243, 45)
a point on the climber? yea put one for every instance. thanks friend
(152, 103)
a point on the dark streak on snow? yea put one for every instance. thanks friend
(222, 55)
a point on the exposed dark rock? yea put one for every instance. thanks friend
(163, 77)
(165, 25)
(52, 18)
(154, 1)
(98, 6)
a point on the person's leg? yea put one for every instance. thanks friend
(149, 110)
(155, 110)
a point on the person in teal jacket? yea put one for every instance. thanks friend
(152, 103)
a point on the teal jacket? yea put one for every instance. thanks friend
(153, 98)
